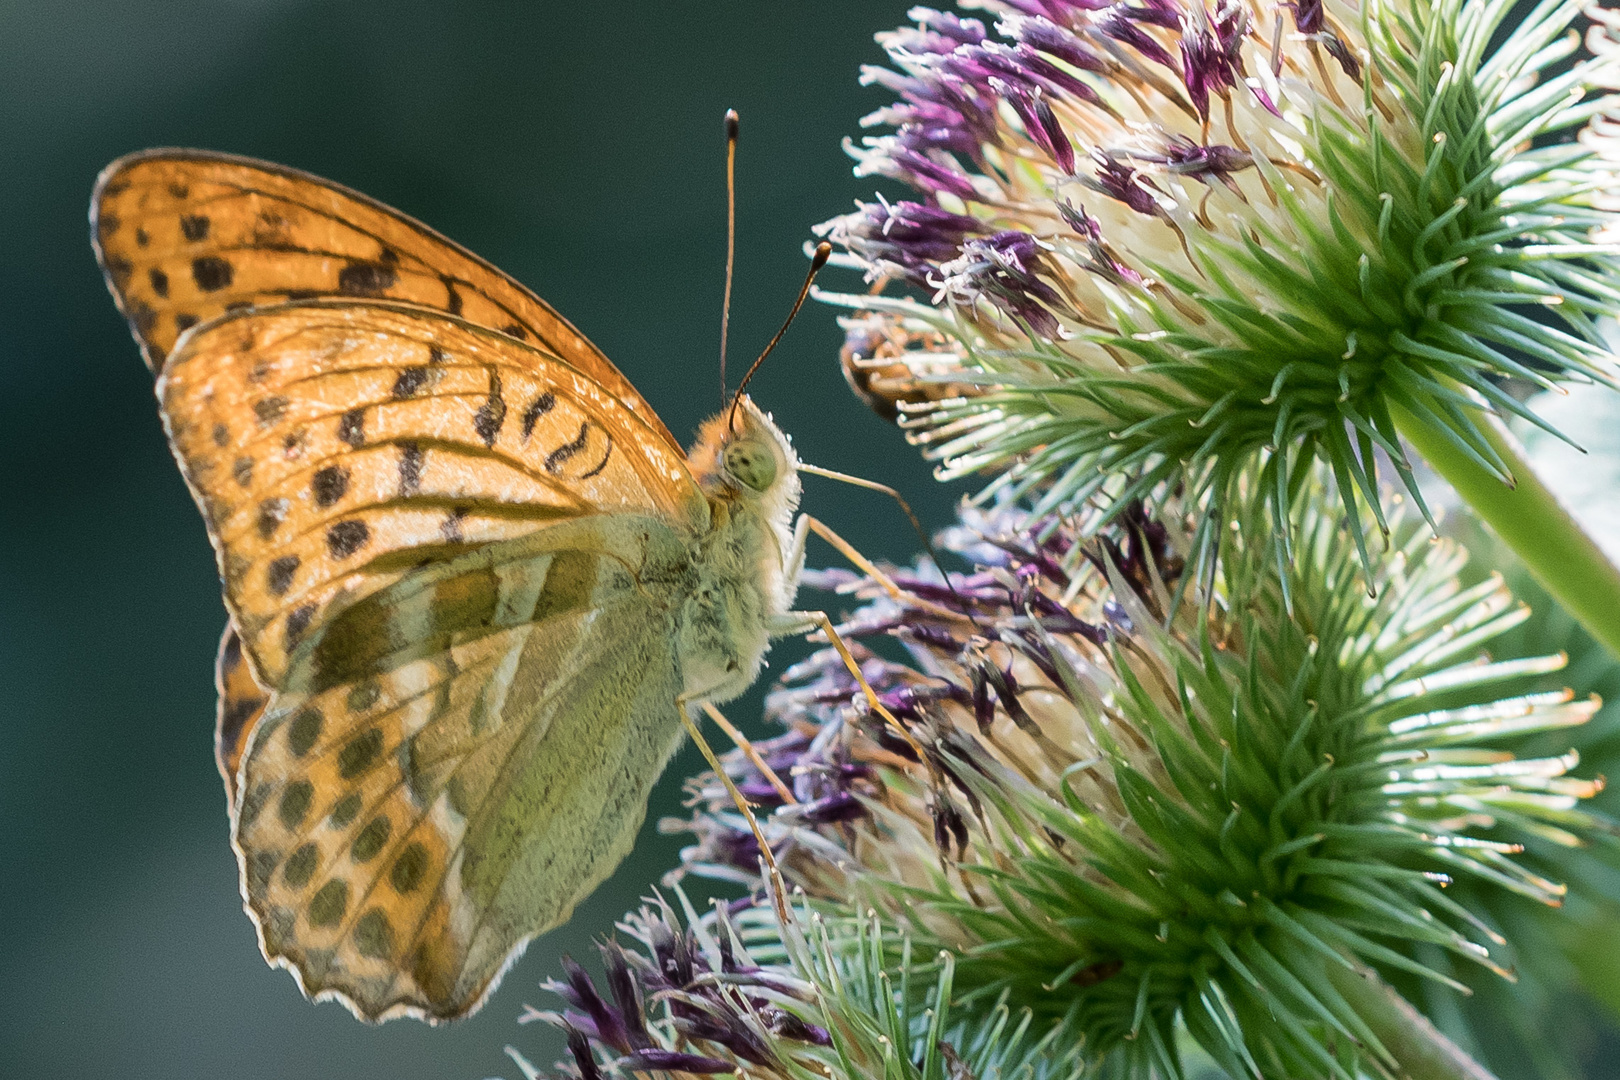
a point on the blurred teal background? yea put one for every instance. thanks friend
(578, 146)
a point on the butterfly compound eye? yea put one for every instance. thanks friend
(750, 464)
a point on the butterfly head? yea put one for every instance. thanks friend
(744, 457)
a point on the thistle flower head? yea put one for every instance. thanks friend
(1185, 238)
(1129, 818)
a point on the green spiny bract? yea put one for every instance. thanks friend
(1168, 242)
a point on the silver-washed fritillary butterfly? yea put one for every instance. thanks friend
(472, 579)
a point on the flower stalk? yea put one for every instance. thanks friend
(1529, 518)
(1424, 1053)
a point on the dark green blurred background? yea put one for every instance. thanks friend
(578, 146)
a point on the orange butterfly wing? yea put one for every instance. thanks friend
(334, 445)
(184, 236)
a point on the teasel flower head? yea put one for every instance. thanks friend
(806, 994)
(1197, 238)
(1133, 819)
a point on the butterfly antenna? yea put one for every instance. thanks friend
(731, 240)
(823, 253)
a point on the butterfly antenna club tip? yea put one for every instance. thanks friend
(817, 261)
(732, 129)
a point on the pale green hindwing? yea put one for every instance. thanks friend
(456, 760)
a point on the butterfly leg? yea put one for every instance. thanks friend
(799, 622)
(865, 565)
(731, 788)
(747, 748)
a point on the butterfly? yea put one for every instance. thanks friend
(473, 582)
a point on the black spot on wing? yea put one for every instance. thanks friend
(211, 273)
(513, 330)
(359, 752)
(294, 805)
(346, 810)
(271, 514)
(327, 906)
(159, 280)
(183, 321)
(222, 435)
(409, 869)
(352, 428)
(559, 457)
(141, 237)
(537, 408)
(279, 575)
(363, 697)
(492, 414)
(297, 622)
(345, 538)
(143, 317)
(329, 485)
(237, 713)
(194, 227)
(408, 382)
(242, 471)
(304, 730)
(371, 839)
(411, 455)
(300, 866)
(600, 465)
(366, 279)
(270, 409)
(452, 298)
(374, 935)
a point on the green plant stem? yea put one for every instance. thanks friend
(1529, 519)
(1420, 1050)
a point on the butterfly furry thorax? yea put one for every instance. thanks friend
(751, 480)
(469, 572)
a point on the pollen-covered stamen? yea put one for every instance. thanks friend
(1119, 23)
(1040, 123)
(1118, 180)
(906, 238)
(1211, 59)
(946, 24)
(1102, 259)
(1184, 157)
(940, 111)
(1310, 18)
(1019, 65)
(920, 171)
(1005, 270)
(1043, 35)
